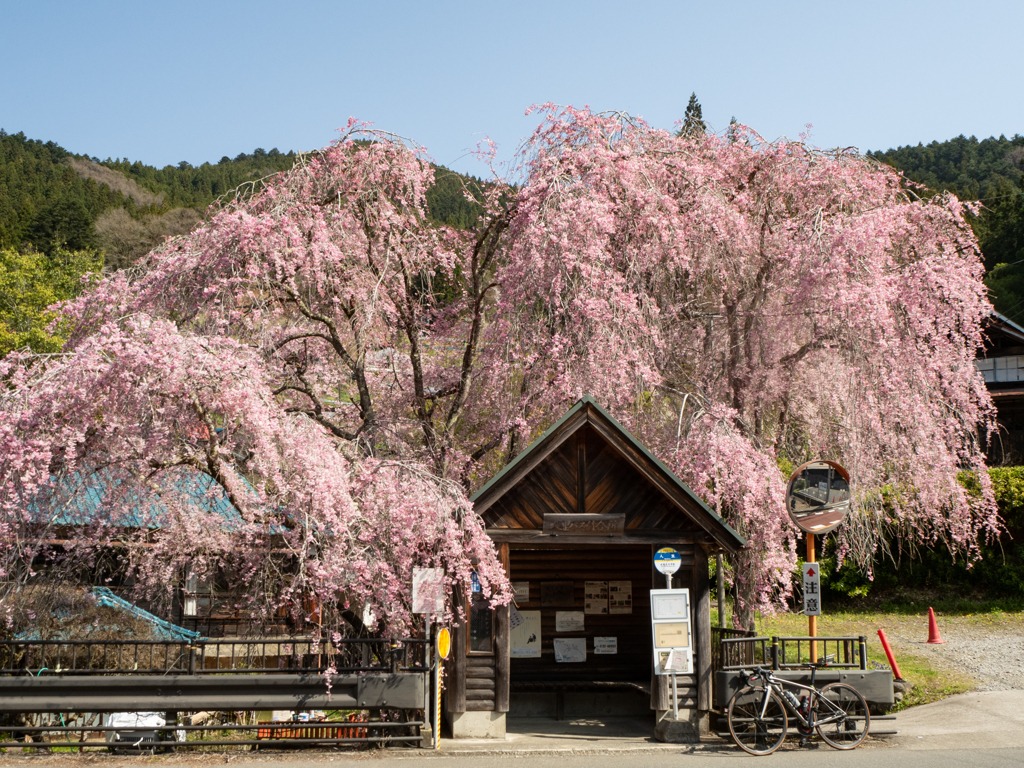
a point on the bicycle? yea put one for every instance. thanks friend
(758, 717)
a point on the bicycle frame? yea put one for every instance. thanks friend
(814, 698)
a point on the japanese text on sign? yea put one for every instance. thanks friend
(812, 589)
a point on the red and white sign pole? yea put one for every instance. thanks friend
(817, 499)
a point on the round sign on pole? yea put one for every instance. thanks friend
(444, 643)
(667, 561)
(818, 496)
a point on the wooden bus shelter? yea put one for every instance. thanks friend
(576, 518)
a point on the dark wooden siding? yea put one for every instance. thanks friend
(480, 683)
(582, 563)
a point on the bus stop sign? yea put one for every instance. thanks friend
(667, 561)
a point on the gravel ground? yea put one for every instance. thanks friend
(994, 656)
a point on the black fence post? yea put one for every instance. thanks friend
(394, 656)
(191, 658)
(863, 652)
(775, 652)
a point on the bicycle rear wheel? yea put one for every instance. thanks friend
(754, 732)
(847, 715)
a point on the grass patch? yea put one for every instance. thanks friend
(931, 682)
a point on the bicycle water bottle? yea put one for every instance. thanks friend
(791, 699)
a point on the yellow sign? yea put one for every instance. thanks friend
(444, 643)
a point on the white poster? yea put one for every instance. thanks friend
(514, 617)
(427, 590)
(606, 645)
(595, 597)
(620, 597)
(570, 649)
(568, 621)
(524, 639)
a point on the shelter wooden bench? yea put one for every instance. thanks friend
(562, 687)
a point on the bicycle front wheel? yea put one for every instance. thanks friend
(845, 716)
(757, 726)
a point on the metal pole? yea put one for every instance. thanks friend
(720, 571)
(675, 699)
(812, 621)
(435, 725)
(427, 662)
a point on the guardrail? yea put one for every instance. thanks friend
(43, 681)
(221, 656)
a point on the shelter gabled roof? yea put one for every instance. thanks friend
(588, 417)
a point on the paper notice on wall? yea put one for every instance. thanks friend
(514, 617)
(606, 645)
(568, 621)
(620, 597)
(570, 649)
(524, 639)
(596, 597)
(521, 591)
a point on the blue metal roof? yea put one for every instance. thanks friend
(162, 629)
(79, 498)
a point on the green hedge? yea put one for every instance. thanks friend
(999, 574)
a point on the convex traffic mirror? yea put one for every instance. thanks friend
(818, 496)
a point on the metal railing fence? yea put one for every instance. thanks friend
(780, 652)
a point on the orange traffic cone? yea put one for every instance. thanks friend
(933, 629)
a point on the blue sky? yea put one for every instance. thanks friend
(172, 81)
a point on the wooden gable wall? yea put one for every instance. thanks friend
(586, 474)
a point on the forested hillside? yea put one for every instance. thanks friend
(51, 199)
(991, 171)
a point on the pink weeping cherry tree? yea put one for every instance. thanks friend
(746, 305)
(288, 361)
(343, 371)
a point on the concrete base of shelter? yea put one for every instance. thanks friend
(478, 725)
(689, 728)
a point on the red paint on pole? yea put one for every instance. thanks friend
(888, 652)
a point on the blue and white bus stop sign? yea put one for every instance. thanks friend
(667, 561)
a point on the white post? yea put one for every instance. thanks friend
(435, 719)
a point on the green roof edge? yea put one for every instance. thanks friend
(578, 406)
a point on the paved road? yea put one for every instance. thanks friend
(976, 729)
(821, 757)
